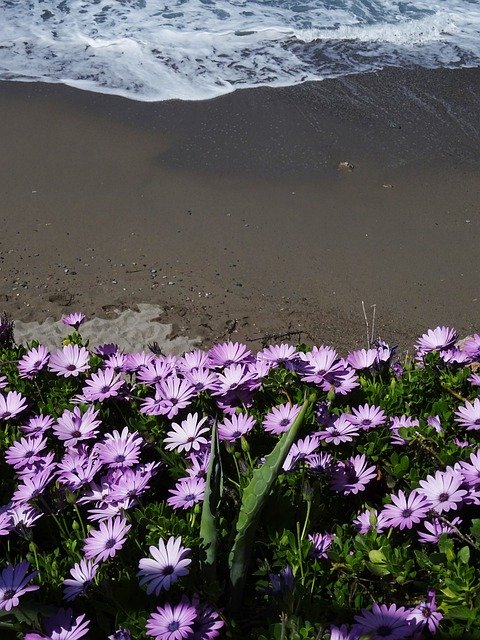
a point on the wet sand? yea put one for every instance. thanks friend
(233, 215)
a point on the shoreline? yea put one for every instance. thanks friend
(232, 216)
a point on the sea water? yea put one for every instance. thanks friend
(153, 50)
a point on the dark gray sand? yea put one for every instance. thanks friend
(233, 214)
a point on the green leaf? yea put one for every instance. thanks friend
(464, 555)
(377, 556)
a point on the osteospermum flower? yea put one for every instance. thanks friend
(321, 542)
(363, 358)
(369, 520)
(11, 405)
(281, 418)
(172, 622)
(236, 426)
(73, 426)
(69, 361)
(405, 511)
(120, 449)
(208, 623)
(299, 451)
(187, 435)
(436, 528)
(426, 614)
(14, 583)
(33, 486)
(156, 370)
(384, 622)
(62, 626)
(469, 415)
(436, 339)
(74, 320)
(342, 633)
(367, 417)
(234, 377)
(103, 385)
(340, 430)
(37, 425)
(352, 475)
(279, 354)
(33, 361)
(110, 537)
(25, 452)
(187, 492)
(193, 360)
(77, 468)
(443, 490)
(227, 353)
(169, 563)
(82, 573)
(471, 470)
(175, 394)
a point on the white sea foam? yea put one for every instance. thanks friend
(196, 49)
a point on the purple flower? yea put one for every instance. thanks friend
(469, 415)
(471, 346)
(172, 622)
(107, 540)
(82, 573)
(187, 492)
(299, 451)
(3, 382)
(340, 430)
(426, 614)
(188, 435)
(116, 361)
(281, 418)
(434, 422)
(37, 425)
(436, 528)
(11, 405)
(107, 350)
(132, 483)
(474, 379)
(69, 361)
(74, 320)
(24, 515)
(367, 417)
(384, 622)
(14, 583)
(281, 583)
(405, 510)
(193, 360)
(6, 523)
(235, 427)
(103, 385)
(62, 626)
(233, 378)
(120, 450)
(169, 563)
(121, 634)
(77, 468)
(363, 358)
(279, 354)
(33, 361)
(202, 380)
(471, 471)
(352, 475)
(369, 520)
(443, 490)
(401, 422)
(208, 623)
(156, 370)
(321, 542)
(319, 462)
(175, 394)
(227, 353)
(34, 485)
(342, 633)
(73, 427)
(436, 340)
(25, 452)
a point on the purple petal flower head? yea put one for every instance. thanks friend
(175, 394)
(434, 422)
(436, 528)
(443, 490)
(133, 482)
(342, 633)
(103, 385)
(73, 426)
(34, 485)
(172, 622)
(208, 623)
(454, 356)
(62, 626)
(281, 418)
(156, 370)
(279, 354)
(14, 583)
(137, 360)
(474, 379)
(369, 520)
(24, 515)
(299, 451)
(362, 359)
(116, 361)
(121, 634)
(426, 614)
(169, 563)
(74, 320)
(436, 340)
(188, 435)
(228, 353)
(106, 350)
(202, 380)
(187, 492)
(317, 363)
(82, 573)
(235, 377)
(397, 370)
(110, 537)
(120, 449)
(319, 462)
(385, 622)
(6, 522)
(37, 425)
(198, 464)
(471, 470)
(469, 415)
(367, 417)
(193, 360)
(3, 382)
(471, 346)
(401, 422)
(77, 468)
(282, 583)
(405, 510)
(71, 360)
(33, 362)
(25, 452)
(11, 405)
(321, 542)
(352, 476)
(235, 427)
(340, 430)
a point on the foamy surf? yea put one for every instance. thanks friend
(199, 49)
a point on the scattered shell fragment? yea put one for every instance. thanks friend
(345, 166)
(387, 185)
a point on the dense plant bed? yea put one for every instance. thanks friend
(285, 494)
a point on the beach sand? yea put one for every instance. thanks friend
(232, 215)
